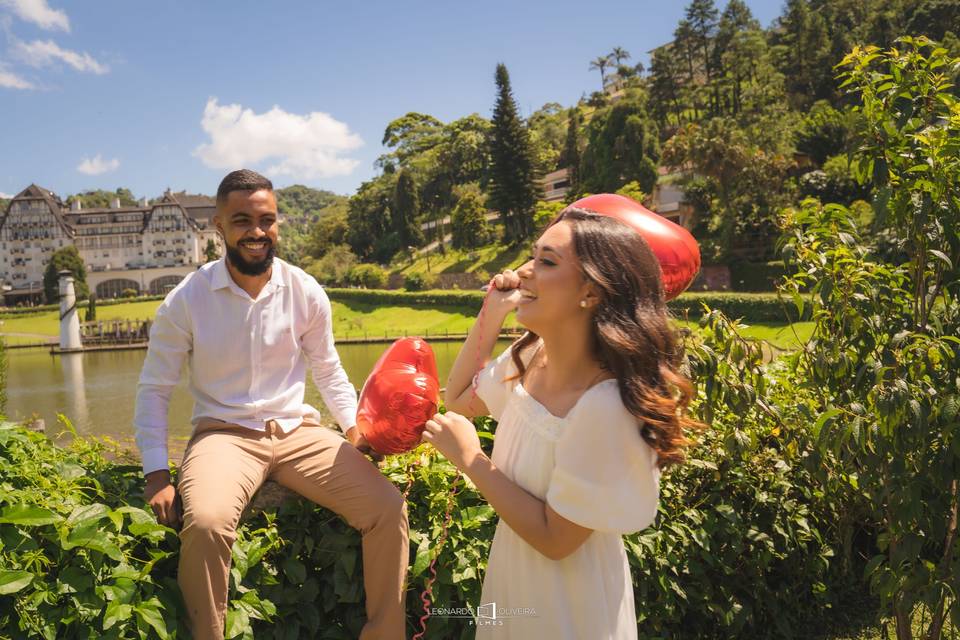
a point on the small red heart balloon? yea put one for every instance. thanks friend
(400, 395)
(675, 248)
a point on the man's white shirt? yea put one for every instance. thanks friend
(247, 357)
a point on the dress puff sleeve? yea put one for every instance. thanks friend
(605, 476)
(492, 384)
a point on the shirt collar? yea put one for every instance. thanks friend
(220, 275)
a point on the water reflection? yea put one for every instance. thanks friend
(96, 391)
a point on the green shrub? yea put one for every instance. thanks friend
(417, 281)
(369, 276)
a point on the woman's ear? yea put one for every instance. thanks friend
(591, 297)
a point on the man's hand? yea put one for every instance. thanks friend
(357, 440)
(162, 497)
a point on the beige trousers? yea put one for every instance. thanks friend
(223, 466)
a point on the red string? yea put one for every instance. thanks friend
(426, 596)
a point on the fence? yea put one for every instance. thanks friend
(108, 332)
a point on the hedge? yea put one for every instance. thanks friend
(754, 307)
(9, 312)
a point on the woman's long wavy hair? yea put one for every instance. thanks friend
(632, 334)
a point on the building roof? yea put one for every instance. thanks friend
(54, 203)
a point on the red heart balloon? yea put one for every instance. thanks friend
(400, 395)
(675, 248)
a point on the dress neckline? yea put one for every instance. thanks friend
(575, 404)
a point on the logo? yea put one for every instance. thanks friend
(488, 611)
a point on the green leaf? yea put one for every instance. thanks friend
(238, 621)
(116, 612)
(149, 613)
(295, 570)
(14, 581)
(28, 515)
(87, 513)
(422, 560)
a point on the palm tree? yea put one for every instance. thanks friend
(619, 54)
(601, 63)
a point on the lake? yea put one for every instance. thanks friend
(97, 390)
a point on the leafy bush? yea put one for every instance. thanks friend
(418, 281)
(370, 276)
(884, 361)
(334, 266)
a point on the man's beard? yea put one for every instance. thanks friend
(246, 267)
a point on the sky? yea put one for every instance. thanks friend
(151, 95)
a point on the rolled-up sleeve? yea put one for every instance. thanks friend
(606, 476)
(317, 342)
(171, 340)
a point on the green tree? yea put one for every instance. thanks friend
(570, 156)
(468, 221)
(546, 126)
(514, 187)
(884, 358)
(91, 308)
(405, 209)
(750, 182)
(623, 146)
(333, 268)
(601, 63)
(803, 46)
(619, 54)
(210, 252)
(331, 230)
(65, 259)
(666, 70)
(701, 19)
(369, 222)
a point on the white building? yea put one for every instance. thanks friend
(147, 248)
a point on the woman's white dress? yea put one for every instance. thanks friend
(593, 468)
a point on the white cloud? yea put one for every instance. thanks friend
(41, 53)
(10, 80)
(97, 165)
(6, 196)
(301, 146)
(39, 13)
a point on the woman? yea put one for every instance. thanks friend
(589, 403)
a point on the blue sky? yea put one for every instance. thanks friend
(150, 95)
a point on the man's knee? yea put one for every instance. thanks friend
(211, 520)
(386, 507)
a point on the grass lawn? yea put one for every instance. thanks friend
(492, 258)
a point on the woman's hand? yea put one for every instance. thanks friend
(504, 295)
(455, 437)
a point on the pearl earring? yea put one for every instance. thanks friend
(583, 304)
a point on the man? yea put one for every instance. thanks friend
(248, 324)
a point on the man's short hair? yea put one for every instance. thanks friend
(242, 180)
